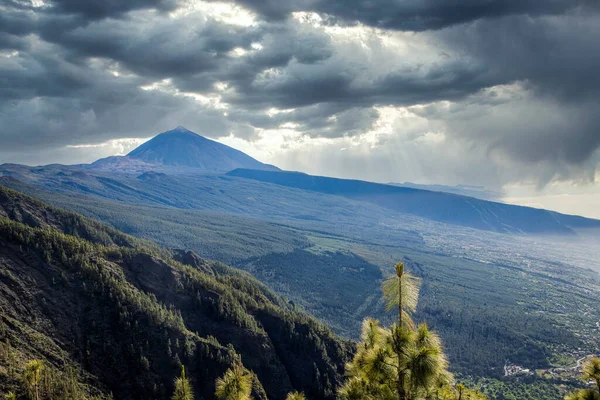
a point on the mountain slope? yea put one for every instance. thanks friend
(181, 150)
(128, 313)
(437, 206)
(506, 294)
(478, 192)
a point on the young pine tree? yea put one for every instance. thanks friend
(236, 384)
(32, 374)
(403, 362)
(183, 389)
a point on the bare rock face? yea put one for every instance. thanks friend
(193, 260)
(152, 274)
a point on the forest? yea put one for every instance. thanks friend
(343, 274)
(127, 318)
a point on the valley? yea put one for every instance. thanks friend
(518, 293)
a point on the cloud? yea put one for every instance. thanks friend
(411, 15)
(553, 118)
(428, 88)
(529, 138)
(49, 102)
(101, 9)
(156, 48)
(557, 56)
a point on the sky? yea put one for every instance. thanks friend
(497, 93)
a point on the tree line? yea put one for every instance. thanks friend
(404, 361)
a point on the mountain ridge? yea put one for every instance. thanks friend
(77, 287)
(443, 207)
(180, 161)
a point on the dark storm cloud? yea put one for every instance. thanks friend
(78, 67)
(557, 56)
(322, 120)
(531, 130)
(558, 60)
(156, 48)
(47, 101)
(17, 22)
(12, 42)
(100, 9)
(40, 73)
(411, 15)
(63, 72)
(55, 122)
(280, 46)
(336, 87)
(194, 52)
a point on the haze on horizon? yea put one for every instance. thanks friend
(501, 94)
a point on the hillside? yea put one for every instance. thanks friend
(437, 206)
(478, 192)
(180, 151)
(515, 297)
(71, 288)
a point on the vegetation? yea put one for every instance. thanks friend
(295, 396)
(586, 394)
(535, 310)
(405, 361)
(236, 384)
(527, 316)
(129, 316)
(41, 381)
(32, 375)
(157, 314)
(340, 280)
(183, 388)
(590, 373)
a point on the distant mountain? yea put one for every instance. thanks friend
(464, 190)
(256, 192)
(122, 315)
(180, 150)
(122, 164)
(438, 206)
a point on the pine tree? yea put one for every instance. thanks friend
(236, 384)
(401, 290)
(403, 362)
(32, 374)
(183, 389)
